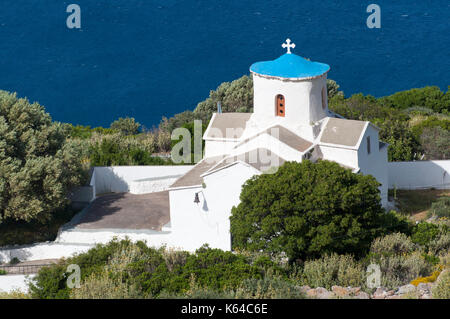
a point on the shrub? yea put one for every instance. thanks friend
(14, 294)
(340, 270)
(398, 270)
(441, 289)
(393, 244)
(440, 245)
(428, 279)
(105, 286)
(2, 272)
(269, 288)
(51, 281)
(14, 261)
(436, 143)
(441, 207)
(126, 126)
(424, 233)
(217, 269)
(307, 209)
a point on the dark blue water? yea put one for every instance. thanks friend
(152, 58)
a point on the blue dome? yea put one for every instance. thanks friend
(290, 65)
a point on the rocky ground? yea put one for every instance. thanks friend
(422, 291)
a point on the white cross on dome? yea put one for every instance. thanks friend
(288, 45)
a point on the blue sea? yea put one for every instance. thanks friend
(154, 58)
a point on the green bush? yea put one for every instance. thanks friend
(104, 286)
(430, 97)
(51, 281)
(393, 244)
(330, 270)
(440, 245)
(306, 210)
(140, 270)
(2, 272)
(126, 126)
(398, 270)
(424, 233)
(269, 288)
(441, 289)
(441, 207)
(217, 269)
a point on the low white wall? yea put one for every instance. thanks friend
(49, 250)
(14, 282)
(419, 174)
(117, 179)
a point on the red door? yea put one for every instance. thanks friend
(280, 105)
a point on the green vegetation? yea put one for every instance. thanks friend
(148, 271)
(415, 122)
(122, 269)
(442, 288)
(22, 233)
(38, 164)
(306, 210)
(126, 126)
(419, 203)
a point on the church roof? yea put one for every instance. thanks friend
(285, 136)
(193, 176)
(291, 66)
(221, 122)
(259, 158)
(343, 132)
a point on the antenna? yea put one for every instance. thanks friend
(219, 107)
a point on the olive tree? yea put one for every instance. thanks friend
(38, 166)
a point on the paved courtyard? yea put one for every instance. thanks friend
(127, 211)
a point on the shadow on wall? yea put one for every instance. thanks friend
(10, 252)
(419, 174)
(106, 180)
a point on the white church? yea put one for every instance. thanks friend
(185, 207)
(291, 122)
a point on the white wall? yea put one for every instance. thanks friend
(217, 147)
(14, 282)
(208, 221)
(303, 99)
(419, 174)
(375, 163)
(48, 250)
(117, 179)
(344, 156)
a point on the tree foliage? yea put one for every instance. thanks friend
(38, 166)
(126, 126)
(235, 96)
(306, 210)
(436, 143)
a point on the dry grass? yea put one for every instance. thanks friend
(417, 203)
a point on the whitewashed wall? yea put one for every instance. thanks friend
(375, 163)
(419, 174)
(48, 250)
(119, 179)
(14, 282)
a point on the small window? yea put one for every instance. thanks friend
(324, 98)
(280, 105)
(368, 144)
